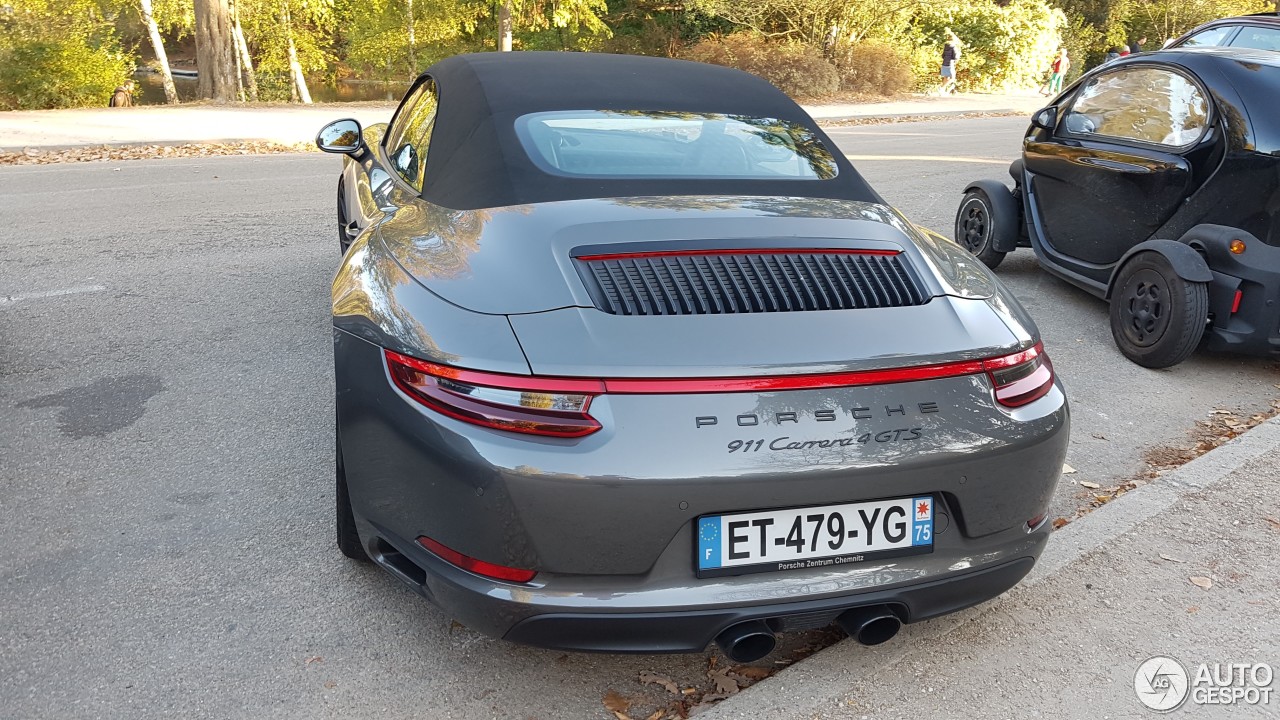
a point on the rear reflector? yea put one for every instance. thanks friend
(479, 567)
(1235, 304)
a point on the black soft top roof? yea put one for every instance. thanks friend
(475, 159)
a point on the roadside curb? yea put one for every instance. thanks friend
(820, 680)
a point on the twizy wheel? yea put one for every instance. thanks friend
(977, 222)
(1157, 318)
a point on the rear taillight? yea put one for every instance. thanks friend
(479, 567)
(1020, 378)
(536, 406)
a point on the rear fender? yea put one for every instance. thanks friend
(1006, 212)
(1186, 262)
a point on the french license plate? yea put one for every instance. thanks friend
(810, 537)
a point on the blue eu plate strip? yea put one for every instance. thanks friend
(709, 542)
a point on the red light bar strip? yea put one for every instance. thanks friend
(642, 386)
(750, 251)
(658, 386)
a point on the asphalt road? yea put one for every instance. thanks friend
(165, 460)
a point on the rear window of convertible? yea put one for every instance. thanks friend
(656, 144)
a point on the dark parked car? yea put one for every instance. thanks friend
(1154, 183)
(630, 358)
(1258, 32)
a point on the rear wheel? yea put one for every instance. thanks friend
(1157, 318)
(348, 538)
(977, 222)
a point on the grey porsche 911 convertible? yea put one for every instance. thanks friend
(629, 358)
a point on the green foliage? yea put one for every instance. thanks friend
(38, 74)
(1160, 19)
(874, 67)
(59, 53)
(797, 69)
(1004, 47)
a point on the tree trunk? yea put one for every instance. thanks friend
(242, 51)
(157, 44)
(213, 50)
(298, 83)
(413, 40)
(504, 26)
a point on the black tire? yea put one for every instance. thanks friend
(348, 538)
(343, 241)
(977, 225)
(1157, 318)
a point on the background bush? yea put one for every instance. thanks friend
(872, 67)
(1005, 47)
(59, 73)
(798, 70)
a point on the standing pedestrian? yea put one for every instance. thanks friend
(1057, 72)
(123, 95)
(1136, 47)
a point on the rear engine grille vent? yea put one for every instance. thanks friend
(716, 283)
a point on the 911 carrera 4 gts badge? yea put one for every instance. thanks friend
(788, 443)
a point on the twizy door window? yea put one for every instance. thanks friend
(1147, 104)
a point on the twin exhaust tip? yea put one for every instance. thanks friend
(751, 640)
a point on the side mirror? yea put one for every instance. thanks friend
(341, 136)
(1046, 119)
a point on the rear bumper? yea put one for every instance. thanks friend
(549, 619)
(694, 630)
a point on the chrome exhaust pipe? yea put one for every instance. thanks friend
(870, 625)
(747, 641)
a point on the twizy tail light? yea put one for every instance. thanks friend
(537, 406)
(1020, 378)
(479, 567)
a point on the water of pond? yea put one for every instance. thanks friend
(151, 89)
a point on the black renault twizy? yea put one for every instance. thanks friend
(1153, 182)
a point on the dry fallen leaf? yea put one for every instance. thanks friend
(1067, 469)
(330, 684)
(313, 659)
(648, 678)
(1059, 523)
(1170, 558)
(1193, 609)
(656, 715)
(724, 683)
(1274, 522)
(615, 703)
(1090, 485)
(1201, 582)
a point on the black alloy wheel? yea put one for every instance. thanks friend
(976, 227)
(1157, 318)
